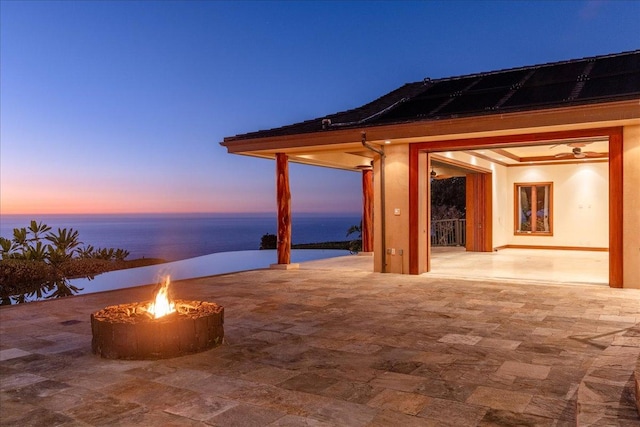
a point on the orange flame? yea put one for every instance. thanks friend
(162, 306)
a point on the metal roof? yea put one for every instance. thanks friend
(583, 81)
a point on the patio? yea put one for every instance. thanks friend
(333, 344)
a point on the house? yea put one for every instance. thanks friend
(551, 155)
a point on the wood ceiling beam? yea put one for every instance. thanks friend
(504, 153)
(554, 158)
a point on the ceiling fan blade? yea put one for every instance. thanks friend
(595, 154)
(576, 144)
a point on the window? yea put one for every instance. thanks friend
(534, 208)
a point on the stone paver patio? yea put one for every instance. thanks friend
(339, 347)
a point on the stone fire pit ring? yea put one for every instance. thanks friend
(127, 331)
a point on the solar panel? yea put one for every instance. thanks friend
(415, 108)
(500, 80)
(475, 101)
(540, 94)
(615, 65)
(447, 87)
(555, 74)
(621, 84)
(599, 79)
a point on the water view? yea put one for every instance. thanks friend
(194, 245)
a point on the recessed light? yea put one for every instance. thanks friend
(387, 142)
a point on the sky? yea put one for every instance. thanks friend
(120, 106)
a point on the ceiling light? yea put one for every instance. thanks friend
(387, 142)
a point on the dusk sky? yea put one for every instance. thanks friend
(117, 106)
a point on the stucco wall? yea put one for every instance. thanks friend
(580, 204)
(631, 207)
(396, 211)
(397, 207)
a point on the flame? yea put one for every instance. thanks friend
(162, 306)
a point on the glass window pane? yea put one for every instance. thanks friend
(533, 208)
(542, 211)
(525, 209)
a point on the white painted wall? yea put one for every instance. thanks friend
(502, 210)
(580, 203)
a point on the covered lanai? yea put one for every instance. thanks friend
(550, 152)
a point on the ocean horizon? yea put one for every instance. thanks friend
(177, 236)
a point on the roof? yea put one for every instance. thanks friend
(597, 79)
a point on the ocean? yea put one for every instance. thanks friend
(180, 236)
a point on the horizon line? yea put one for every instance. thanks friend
(181, 213)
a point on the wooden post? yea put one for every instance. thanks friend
(284, 208)
(367, 210)
(616, 232)
(479, 211)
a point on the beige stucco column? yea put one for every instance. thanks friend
(396, 215)
(367, 210)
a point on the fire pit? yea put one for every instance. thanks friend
(158, 329)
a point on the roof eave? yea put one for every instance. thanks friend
(582, 114)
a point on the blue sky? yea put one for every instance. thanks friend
(120, 106)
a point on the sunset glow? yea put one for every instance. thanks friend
(97, 120)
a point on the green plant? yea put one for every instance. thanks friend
(31, 267)
(448, 198)
(64, 243)
(355, 245)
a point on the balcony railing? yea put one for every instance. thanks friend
(448, 232)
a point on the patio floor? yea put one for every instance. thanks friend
(332, 344)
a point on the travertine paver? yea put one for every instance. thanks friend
(338, 347)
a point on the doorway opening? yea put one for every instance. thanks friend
(448, 205)
(580, 173)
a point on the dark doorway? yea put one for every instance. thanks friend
(448, 210)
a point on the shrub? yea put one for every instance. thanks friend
(31, 267)
(269, 241)
(355, 246)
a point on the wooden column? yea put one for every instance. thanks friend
(616, 231)
(479, 211)
(367, 210)
(284, 208)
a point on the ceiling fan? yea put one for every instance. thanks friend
(577, 153)
(575, 144)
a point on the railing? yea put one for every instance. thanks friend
(448, 232)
